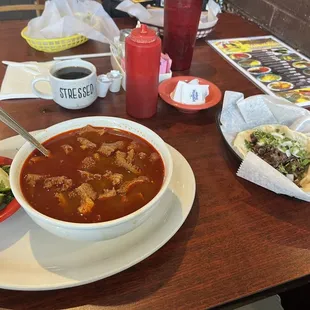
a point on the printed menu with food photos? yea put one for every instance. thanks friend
(272, 65)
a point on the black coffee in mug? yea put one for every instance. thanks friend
(73, 84)
(72, 73)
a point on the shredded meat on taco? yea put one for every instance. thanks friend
(286, 150)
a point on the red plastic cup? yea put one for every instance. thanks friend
(181, 22)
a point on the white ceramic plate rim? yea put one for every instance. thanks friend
(66, 283)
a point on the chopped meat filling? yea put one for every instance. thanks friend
(108, 149)
(126, 186)
(87, 196)
(272, 155)
(115, 178)
(87, 176)
(107, 193)
(32, 179)
(61, 183)
(90, 128)
(88, 163)
(86, 144)
(67, 148)
(121, 161)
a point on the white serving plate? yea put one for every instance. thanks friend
(33, 259)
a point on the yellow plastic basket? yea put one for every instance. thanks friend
(54, 45)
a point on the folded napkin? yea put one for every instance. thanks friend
(18, 79)
(256, 170)
(191, 93)
(66, 18)
(240, 114)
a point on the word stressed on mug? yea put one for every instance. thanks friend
(76, 93)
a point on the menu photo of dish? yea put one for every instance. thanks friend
(272, 65)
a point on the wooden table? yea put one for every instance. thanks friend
(240, 241)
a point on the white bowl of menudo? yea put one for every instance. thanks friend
(104, 178)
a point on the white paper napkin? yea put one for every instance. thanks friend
(156, 16)
(66, 18)
(257, 171)
(239, 114)
(17, 80)
(190, 93)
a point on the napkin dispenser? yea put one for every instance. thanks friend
(116, 65)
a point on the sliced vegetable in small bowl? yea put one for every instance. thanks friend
(269, 77)
(259, 70)
(307, 72)
(8, 204)
(280, 51)
(240, 56)
(301, 64)
(292, 57)
(280, 86)
(249, 63)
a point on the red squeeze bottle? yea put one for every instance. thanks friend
(143, 49)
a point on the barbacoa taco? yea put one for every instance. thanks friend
(286, 150)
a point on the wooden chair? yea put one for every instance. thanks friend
(37, 6)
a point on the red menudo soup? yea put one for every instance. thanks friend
(93, 175)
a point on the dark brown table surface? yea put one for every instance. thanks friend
(240, 241)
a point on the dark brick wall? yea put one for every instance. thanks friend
(287, 19)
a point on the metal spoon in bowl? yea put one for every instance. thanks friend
(9, 121)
